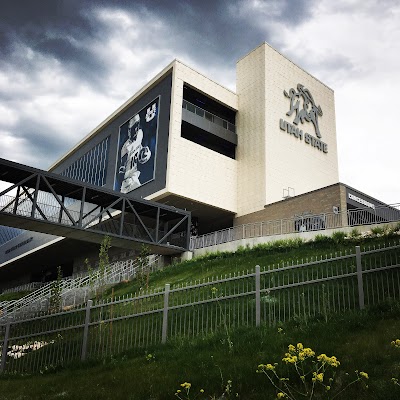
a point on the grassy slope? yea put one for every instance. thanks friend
(220, 264)
(360, 341)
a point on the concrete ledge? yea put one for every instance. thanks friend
(187, 255)
(306, 236)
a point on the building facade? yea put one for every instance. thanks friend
(187, 141)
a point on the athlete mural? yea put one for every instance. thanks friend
(136, 149)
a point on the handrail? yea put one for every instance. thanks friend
(114, 273)
(298, 224)
(201, 112)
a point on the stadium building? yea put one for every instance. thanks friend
(267, 151)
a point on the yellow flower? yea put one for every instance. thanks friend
(269, 367)
(318, 377)
(396, 343)
(201, 390)
(289, 359)
(364, 375)
(332, 361)
(327, 387)
(299, 346)
(305, 353)
(281, 395)
(186, 385)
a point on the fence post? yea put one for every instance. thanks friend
(5, 348)
(86, 330)
(165, 315)
(360, 278)
(258, 305)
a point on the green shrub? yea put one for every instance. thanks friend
(242, 249)
(354, 234)
(339, 237)
(322, 239)
(393, 230)
(378, 230)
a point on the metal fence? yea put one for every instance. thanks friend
(75, 290)
(306, 223)
(267, 295)
(24, 288)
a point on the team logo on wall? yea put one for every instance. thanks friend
(137, 149)
(303, 106)
(308, 112)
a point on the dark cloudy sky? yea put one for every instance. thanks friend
(66, 65)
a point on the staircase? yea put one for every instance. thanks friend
(74, 291)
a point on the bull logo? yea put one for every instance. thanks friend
(309, 112)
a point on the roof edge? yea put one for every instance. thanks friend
(118, 111)
(287, 58)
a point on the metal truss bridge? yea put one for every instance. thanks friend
(45, 202)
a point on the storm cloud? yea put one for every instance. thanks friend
(67, 65)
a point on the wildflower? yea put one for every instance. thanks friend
(289, 359)
(327, 387)
(332, 361)
(396, 343)
(150, 357)
(281, 395)
(318, 377)
(364, 375)
(306, 353)
(299, 346)
(280, 330)
(201, 390)
(186, 385)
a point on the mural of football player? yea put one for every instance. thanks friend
(132, 153)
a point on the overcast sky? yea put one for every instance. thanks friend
(66, 65)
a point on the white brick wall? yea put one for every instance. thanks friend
(290, 161)
(250, 122)
(194, 171)
(270, 159)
